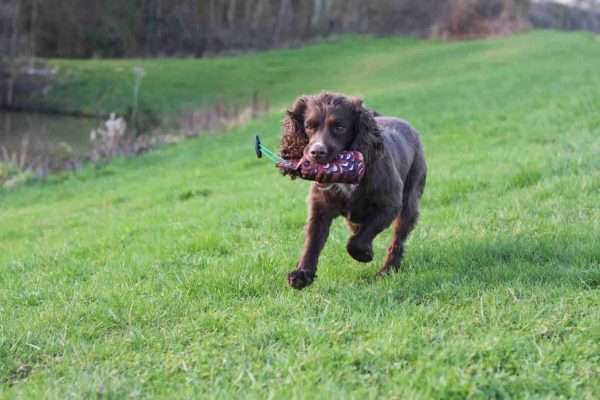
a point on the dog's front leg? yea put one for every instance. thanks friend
(317, 230)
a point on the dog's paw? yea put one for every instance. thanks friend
(360, 252)
(299, 279)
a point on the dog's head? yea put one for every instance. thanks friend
(320, 127)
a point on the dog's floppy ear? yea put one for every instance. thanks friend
(367, 137)
(294, 137)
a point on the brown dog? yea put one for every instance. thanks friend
(321, 126)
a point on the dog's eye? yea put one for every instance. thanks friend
(339, 129)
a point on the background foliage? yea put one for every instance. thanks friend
(115, 28)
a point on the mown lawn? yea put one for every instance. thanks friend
(165, 275)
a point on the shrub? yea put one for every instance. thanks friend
(476, 18)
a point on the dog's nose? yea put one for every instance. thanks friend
(318, 151)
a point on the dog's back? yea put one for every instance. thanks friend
(403, 145)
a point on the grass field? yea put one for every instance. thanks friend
(165, 276)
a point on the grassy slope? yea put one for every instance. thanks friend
(165, 275)
(170, 85)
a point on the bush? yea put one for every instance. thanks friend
(12, 176)
(476, 18)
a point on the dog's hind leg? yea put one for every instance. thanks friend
(403, 225)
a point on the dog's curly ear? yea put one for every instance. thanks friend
(294, 137)
(367, 136)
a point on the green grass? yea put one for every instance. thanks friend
(164, 276)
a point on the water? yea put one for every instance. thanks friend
(40, 133)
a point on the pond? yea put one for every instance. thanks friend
(36, 134)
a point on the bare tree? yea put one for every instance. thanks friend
(283, 21)
(33, 28)
(13, 52)
(588, 4)
(231, 13)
